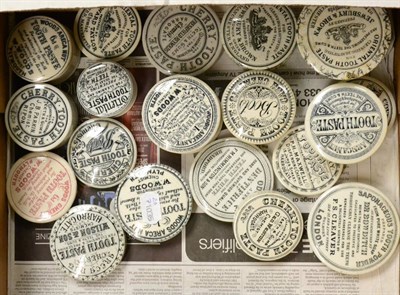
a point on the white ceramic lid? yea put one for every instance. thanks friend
(40, 49)
(353, 228)
(225, 173)
(40, 117)
(106, 89)
(87, 243)
(300, 168)
(101, 152)
(107, 32)
(346, 123)
(153, 203)
(182, 39)
(383, 93)
(343, 42)
(181, 114)
(259, 37)
(41, 187)
(267, 226)
(258, 107)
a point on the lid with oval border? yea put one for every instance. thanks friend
(106, 89)
(107, 32)
(300, 168)
(259, 37)
(346, 123)
(40, 49)
(41, 187)
(268, 226)
(182, 39)
(353, 228)
(258, 107)
(343, 42)
(40, 117)
(383, 93)
(102, 151)
(153, 203)
(87, 243)
(181, 114)
(225, 173)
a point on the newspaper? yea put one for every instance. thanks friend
(205, 258)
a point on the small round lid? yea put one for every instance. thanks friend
(343, 42)
(258, 107)
(182, 39)
(259, 37)
(40, 117)
(106, 89)
(153, 203)
(41, 187)
(346, 123)
(383, 93)
(107, 32)
(87, 243)
(224, 173)
(40, 49)
(101, 152)
(181, 114)
(300, 168)
(268, 226)
(353, 228)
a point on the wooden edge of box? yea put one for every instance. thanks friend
(3, 158)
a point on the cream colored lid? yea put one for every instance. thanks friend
(41, 187)
(353, 228)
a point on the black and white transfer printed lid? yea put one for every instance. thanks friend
(40, 49)
(41, 187)
(259, 37)
(383, 93)
(258, 107)
(40, 117)
(182, 39)
(87, 243)
(153, 203)
(268, 226)
(300, 168)
(346, 123)
(226, 172)
(101, 152)
(107, 32)
(181, 114)
(106, 89)
(344, 42)
(353, 228)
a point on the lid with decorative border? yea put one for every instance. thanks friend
(87, 243)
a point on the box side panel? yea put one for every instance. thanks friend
(3, 156)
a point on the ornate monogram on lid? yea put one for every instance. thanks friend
(106, 89)
(153, 203)
(353, 228)
(258, 107)
(182, 39)
(181, 114)
(268, 226)
(108, 32)
(300, 168)
(101, 152)
(225, 173)
(344, 42)
(259, 37)
(40, 117)
(346, 123)
(87, 243)
(40, 49)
